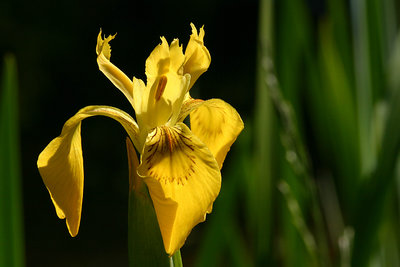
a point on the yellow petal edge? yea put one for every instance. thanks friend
(115, 75)
(218, 125)
(197, 56)
(61, 163)
(183, 179)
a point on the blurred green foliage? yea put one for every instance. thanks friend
(331, 186)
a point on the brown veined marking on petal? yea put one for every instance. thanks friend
(171, 137)
(170, 141)
(190, 170)
(150, 148)
(216, 132)
(161, 87)
(188, 106)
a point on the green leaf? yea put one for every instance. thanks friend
(364, 83)
(145, 242)
(260, 186)
(298, 221)
(374, 194)
(11, 227)
(144, 237)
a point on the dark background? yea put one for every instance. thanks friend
(54, 44)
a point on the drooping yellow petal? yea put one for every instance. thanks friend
(197, 57)
(217, 124)
(115, 75)
(166, 84)
(61, 164)
(183, 179)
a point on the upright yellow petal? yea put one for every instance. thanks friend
(176, 57)
(140, 89)
(162, 101)
(197, 57)
(166, 84)
(115, 75)
(61, 164)
(217, 124)
(157, 64)
(183, 180)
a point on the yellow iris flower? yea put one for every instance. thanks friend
(180, 166)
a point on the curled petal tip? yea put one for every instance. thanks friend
(103, 46)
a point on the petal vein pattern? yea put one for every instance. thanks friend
(183, 178)
(217, 124)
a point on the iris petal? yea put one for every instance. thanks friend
(189, 104)
(166, 85)
(217, 124)
(115, 75)
(183, 180)
(157, 63)
(197, 57)
(61, 164)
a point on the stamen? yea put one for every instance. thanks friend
(161, 87)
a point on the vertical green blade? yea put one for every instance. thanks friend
(260, 188)
(376, 191)
(145, 242)
(144, 236)
(363, 79)
(11, 229)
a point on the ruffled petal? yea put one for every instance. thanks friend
(183, 179)
(197, 57)
(217, 124)
(115, 75)
(61, 164)
(166, 84)
(157, 64)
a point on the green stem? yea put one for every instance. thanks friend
(176, 260)
(260, 195)
(11, 212)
